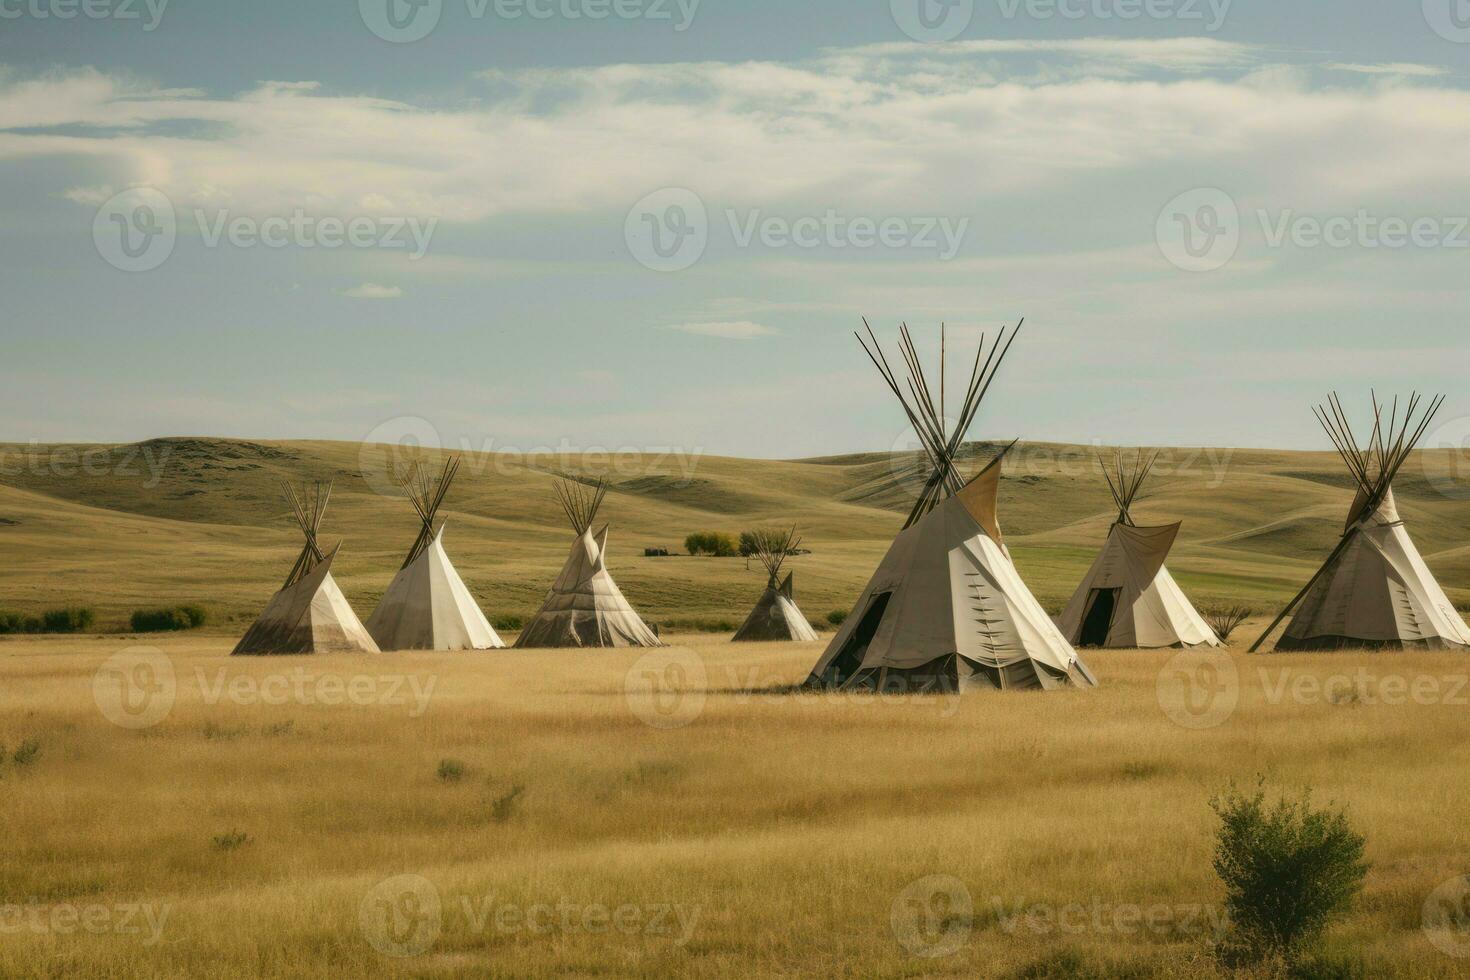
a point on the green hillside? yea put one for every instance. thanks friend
(203, 520)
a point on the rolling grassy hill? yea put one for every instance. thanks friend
(203, 520)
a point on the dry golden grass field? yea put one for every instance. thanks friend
(258, 817)
(169, 811)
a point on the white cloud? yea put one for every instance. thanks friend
(732, 330)
(886, 129)
(1391, 68)
(371, 290)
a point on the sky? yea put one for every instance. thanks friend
(655, 224)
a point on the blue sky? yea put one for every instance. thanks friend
(1041, 163)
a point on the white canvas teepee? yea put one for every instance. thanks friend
(1374, 589)
(309, 614)
(775, 616)
(946, 610)
(428, 606)
(1128, 598)
(585, 607)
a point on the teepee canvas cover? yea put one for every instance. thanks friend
(1374, 589)
(310, 614)
(428, 606)
(585, 607)
(946, 610)
(775, 617)
(1128, 598)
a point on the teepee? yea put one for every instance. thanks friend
(310, 614)
(1374, 589)
(1128, 598)
(427, 606)
(585, 607)
(947, 610)
(775, 617)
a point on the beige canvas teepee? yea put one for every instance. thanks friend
(585, 607)
(946, 610)
(1374, 589)
(775, 616)
(309, 614)
(428, 606)
(1128, 598)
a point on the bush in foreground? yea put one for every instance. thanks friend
(1288, 871)
(837, 617)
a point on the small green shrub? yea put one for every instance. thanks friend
(232, 840)
(451, 770)
(1288, 871)
(716, 544)
(837, 617)
(11, 622)
(27, 752)
(511, 623)
(502, 807)
(71, 620)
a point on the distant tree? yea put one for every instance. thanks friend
(716, 544)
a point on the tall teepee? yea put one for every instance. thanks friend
(775, 617)
(1374, 589)
(946, 609)
(1128, 598)
(585, 607)
(310, 614)
(427, 606)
